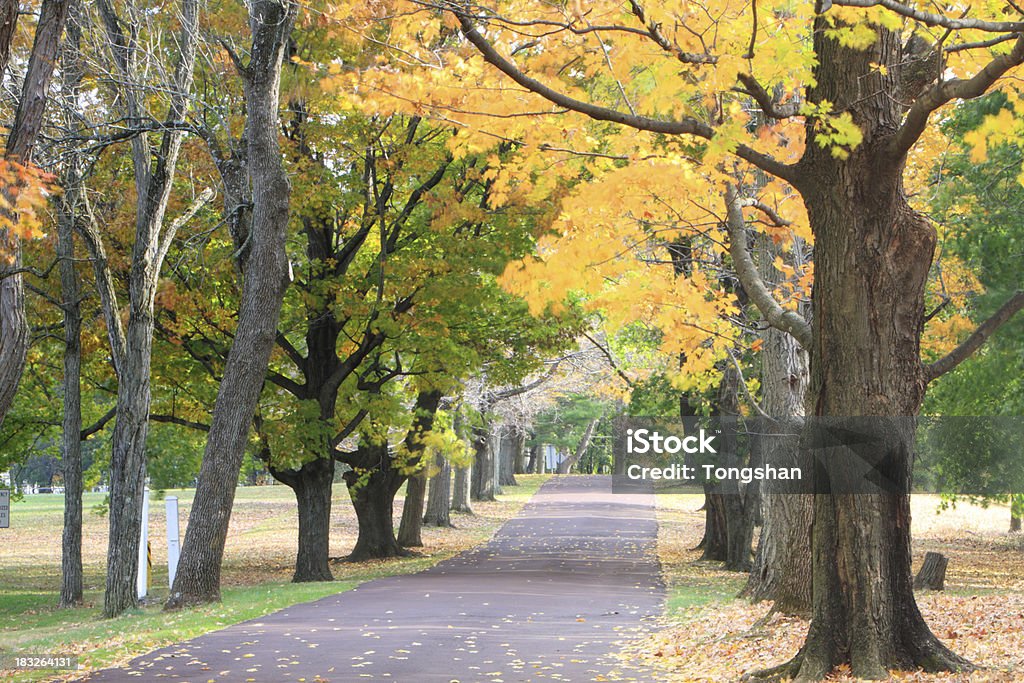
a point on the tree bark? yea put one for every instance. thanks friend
(439, 499)
(1014, 523)
(519, 463)
(715, 543)
(311, 484)
(483, 465)
(152, 239)
(566, 465)
(511, 445)
(266, 269)
(375, 479)
(782, 564)
(28, 119)
(409, 535)
(872, 255)
(932, 574)
(71, 441)
(373, 495)
(460, 491)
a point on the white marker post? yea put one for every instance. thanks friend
(173, 547)
(142, 580)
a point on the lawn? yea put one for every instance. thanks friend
(257, 569)
(710, 635)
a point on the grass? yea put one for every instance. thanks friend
(257, 568)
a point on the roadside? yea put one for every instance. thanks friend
(257, 568)
(708, 634)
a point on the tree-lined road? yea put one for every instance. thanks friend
(547, 599)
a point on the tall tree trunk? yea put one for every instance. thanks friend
(782, 565)
(28, 119)
(460, 491)
(483, 465)
(409, 535)
(266, 269)
(439, 499)
(588, 434)
(519, 462)
(71, 440)
(152, 240)
(872, 255)
(510, 445)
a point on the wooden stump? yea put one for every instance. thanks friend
(933, 572)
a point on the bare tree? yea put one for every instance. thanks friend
(132, 346)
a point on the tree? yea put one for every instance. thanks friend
(841, 140)
(71, 441)
(266, 274)
(18, 176)
(131, 345)
(976, 198)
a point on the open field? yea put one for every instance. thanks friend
(257, 569)
(710, 635)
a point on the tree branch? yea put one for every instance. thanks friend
(98, 425)
(787, 321)
(931, 19)
(685, 126)
(171, 419)
(768, 105)
(957, 88)
(977, 338)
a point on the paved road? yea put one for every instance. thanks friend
(546, 600)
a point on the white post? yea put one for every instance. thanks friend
(173, 548)
(142, 580)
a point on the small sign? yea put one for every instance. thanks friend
(5, 509)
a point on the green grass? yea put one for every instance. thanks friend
(257, 564)
(29, 625)
(682, 597)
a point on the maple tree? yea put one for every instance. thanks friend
(846, 91)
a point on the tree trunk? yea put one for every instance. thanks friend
(511, 445)
(715, 543)
(566, 465)
(412, 513)
(872, 255)
(483, 465)
(519, 463)
(375, 479)
(266, 267)
(460, 492)
(1014, 523)
(28, 119)
(438, 513)
(311, 484)
(152, 239)
(782, 565)
(71, 440)
(373, 496)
